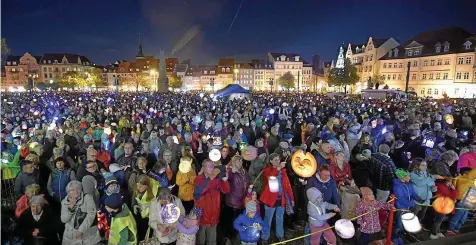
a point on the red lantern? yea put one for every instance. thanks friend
(304, 164)
(443, 205)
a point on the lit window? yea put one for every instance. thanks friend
(400, 65)
(414, 76)
(436, 91)
(410, 52)
(388, 77)
(425, 63)
(467, 45)
(440, 62)
(399, 76)
(468, 60)
(447, 48)
(460, 60)
(423, 77)
(431, 76)
(394, 65)
(422, 91)
(14, 63)
(415, 63)
(466, 75)
(429, 91)
(438, 76)
(458, 75)
(447, 61)
(445, 75)
(438, 49)
(417, 52)
(432, 62)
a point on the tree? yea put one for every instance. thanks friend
(95, 78)
(140, 80)
(74, 79)
(287, 80)
(376, 78)
(175, 82)
(344, 76)
(5, 50)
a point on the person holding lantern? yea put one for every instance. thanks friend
(316, 208)
(165, 226)
(447, 193)
(185, 179)
(276, 194)
(207, 197)
(188, 227)
(405, 197)
(424, 185)
(249, 225)
(123, 228)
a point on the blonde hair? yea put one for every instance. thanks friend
(141, 159)
(235, 159)
(32, 189)
(32, 157)
(145, 180)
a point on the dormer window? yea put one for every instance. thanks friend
(467, 45)
(447, 47)
(396, 52)
(56, 62)
(390, 54)
(417, 52)
(410, 52)
(296, 58)
(14, 63)
(9, 63)
(438, 49)
(49, 61)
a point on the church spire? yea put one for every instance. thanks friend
(140, 54)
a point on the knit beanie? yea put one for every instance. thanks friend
(109, 178)
(197, 211)
(261, 150)
(251, 206)
(401, 173)
(113, 201)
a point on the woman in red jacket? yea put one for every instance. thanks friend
(340, 170)
(444, 188)
(275, 201)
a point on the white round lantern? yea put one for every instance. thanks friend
(170, 213)
(273, 184)
(345, 228)
(214, 155)
(107, 131)
(411, 223)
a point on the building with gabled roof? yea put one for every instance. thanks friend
(440, 62)
(294, 64)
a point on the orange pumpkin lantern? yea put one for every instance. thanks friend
(443, 205)
(304, 164)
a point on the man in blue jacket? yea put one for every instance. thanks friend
(249, 225)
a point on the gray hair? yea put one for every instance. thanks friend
(37, 200)
(384, 148)
(74, 185)
(449, 157)
(164, 193)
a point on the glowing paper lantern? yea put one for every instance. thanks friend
(185, 165)
(345, 228)
(107, 131)
(443, 205)
(304, 165)
(273, 184)
(449, 119)
(411, 223)
(214, 155)
(249, 153)
(170, 213)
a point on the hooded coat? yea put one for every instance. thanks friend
(328, 188)
(316, 207)
(247, 232)
(422, 183)
(85, 207)
(405, 195)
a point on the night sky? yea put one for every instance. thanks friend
(108, 30)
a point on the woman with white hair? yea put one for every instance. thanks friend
(36, 225)
(78, 212)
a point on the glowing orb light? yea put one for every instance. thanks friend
(271, 111)
(214, 155)
(411, 223)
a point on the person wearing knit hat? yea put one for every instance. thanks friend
(188, 227)
(249, 225)
(123, 225)
(405, 196)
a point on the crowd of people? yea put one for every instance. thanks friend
(97, 168)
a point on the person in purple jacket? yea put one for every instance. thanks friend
(188, 227)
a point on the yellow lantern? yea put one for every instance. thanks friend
(443, 205)
(185, 165)
(273, 184)
(411, 223)
(303, 164)
(449, 119)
